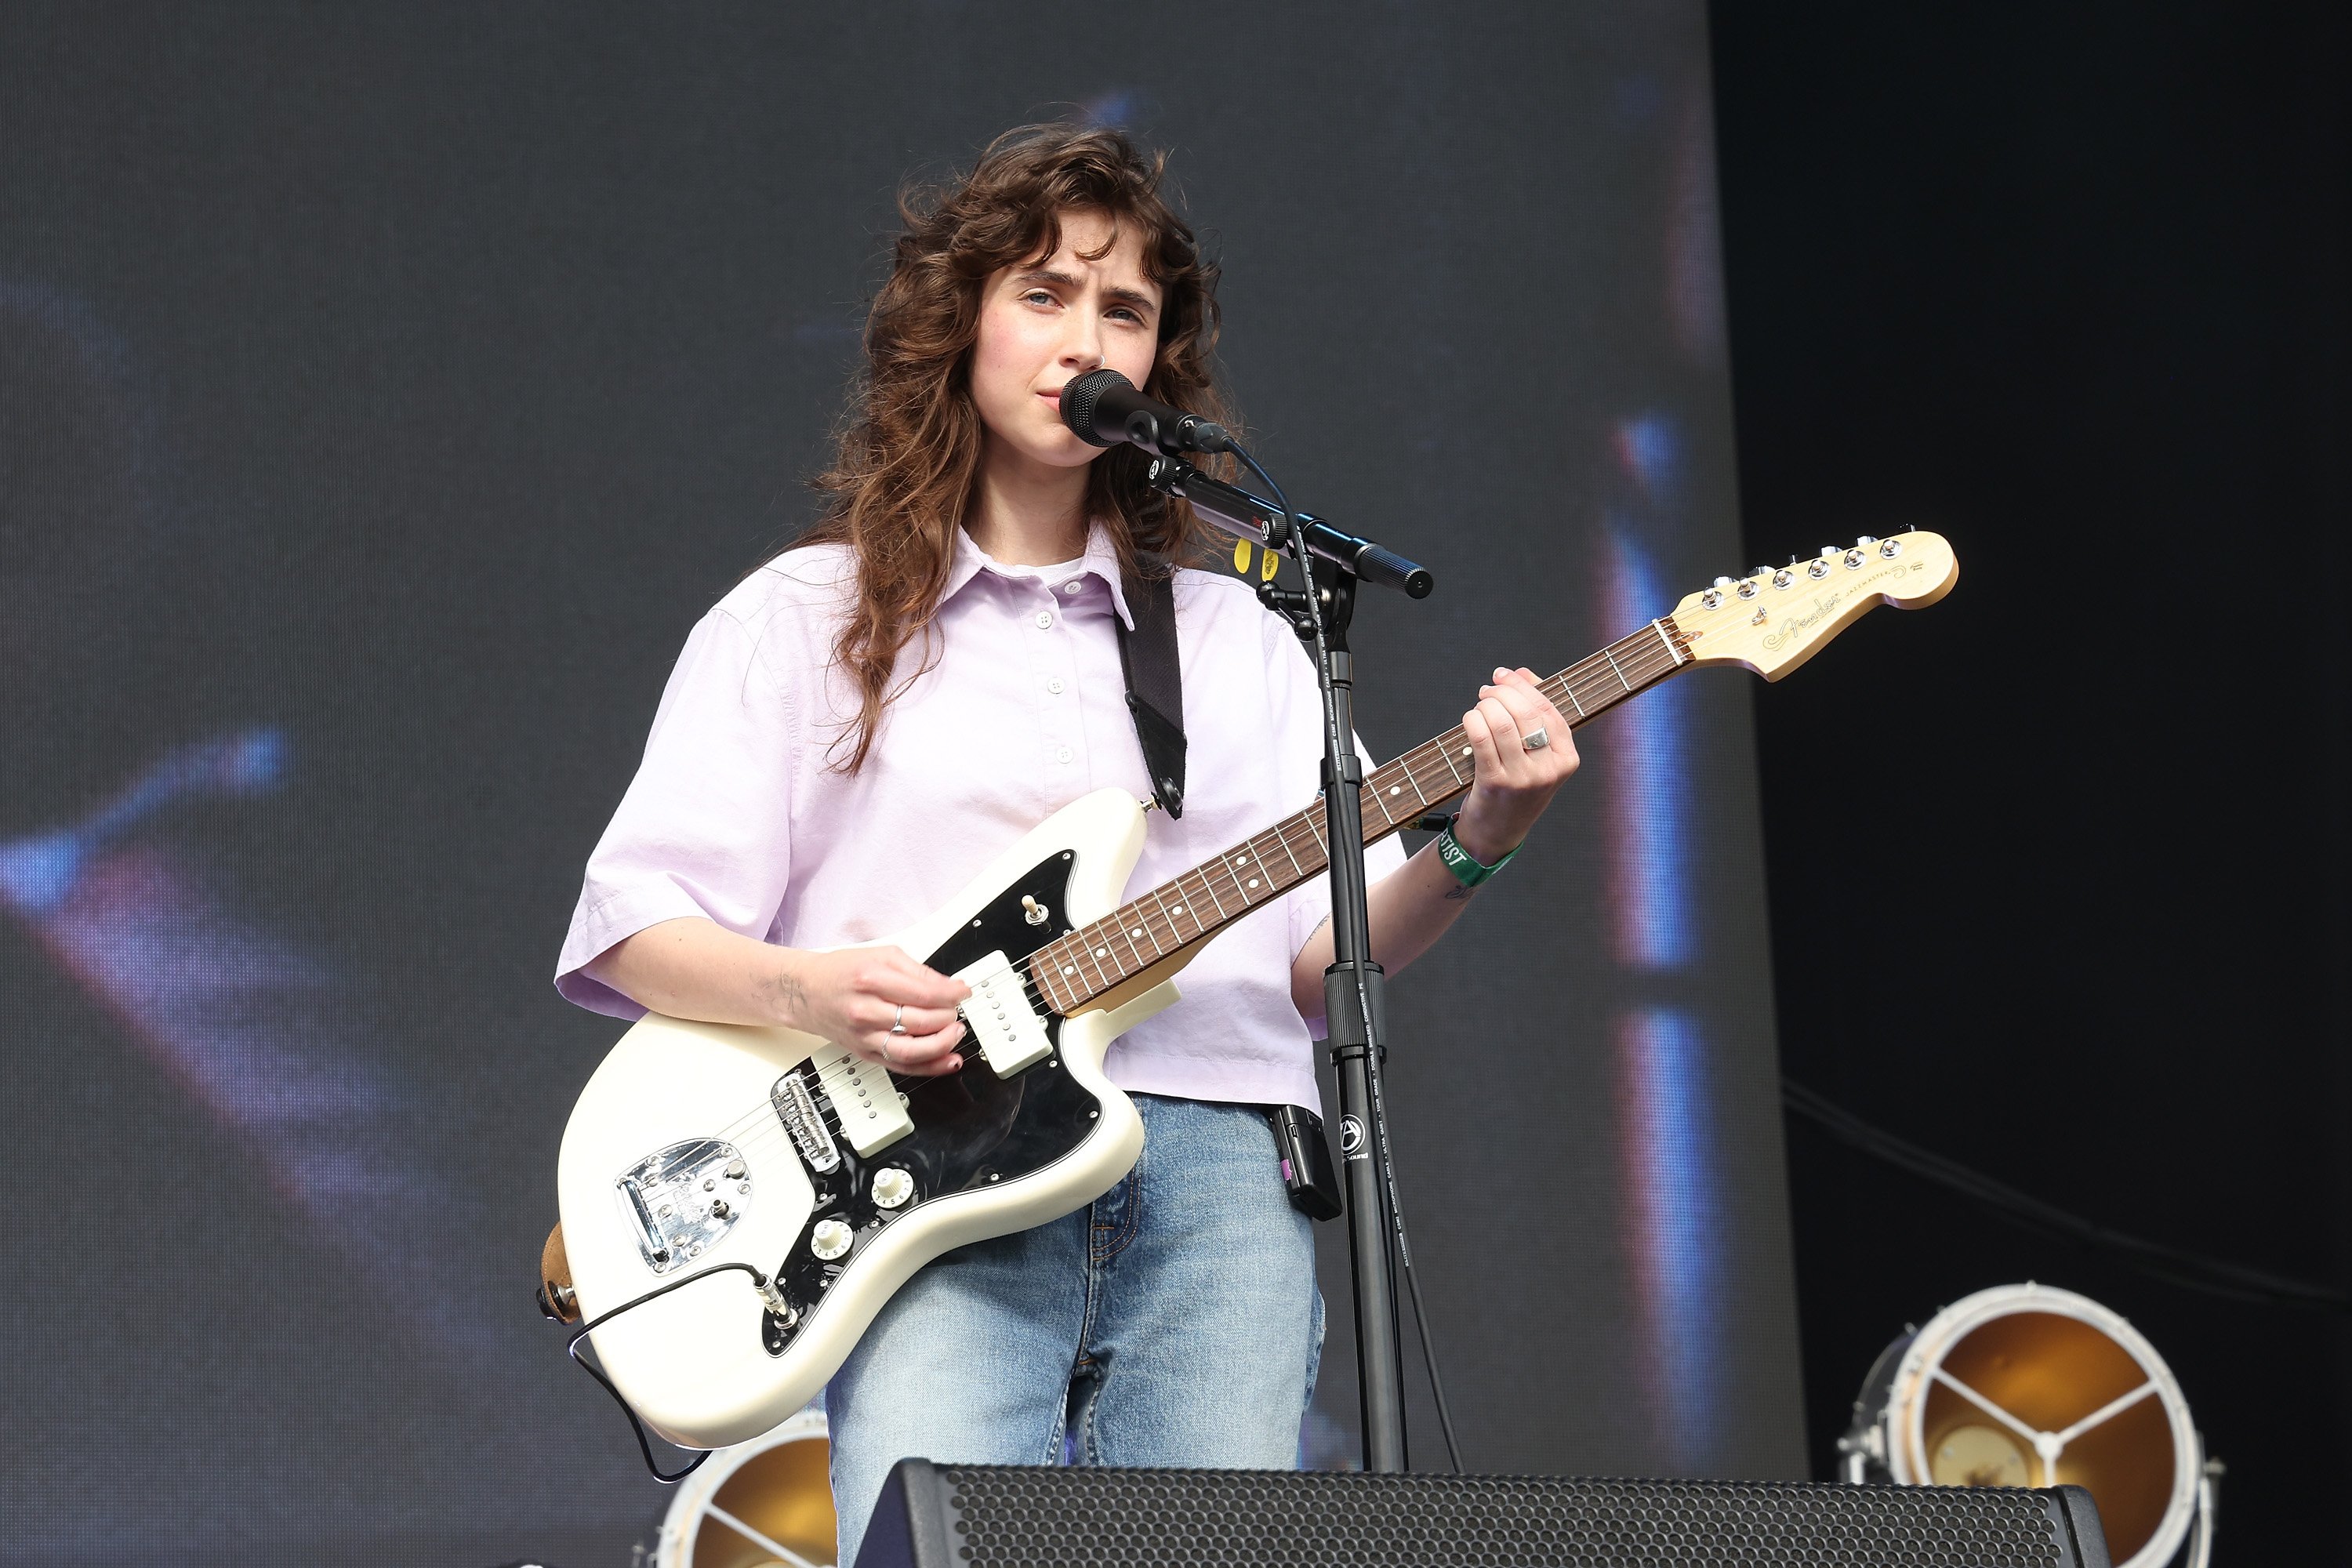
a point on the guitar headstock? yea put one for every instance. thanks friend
(1772, 621)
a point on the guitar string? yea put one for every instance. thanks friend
(1106, 931)
(762, 1124)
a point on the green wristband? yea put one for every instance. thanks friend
(1468, 869)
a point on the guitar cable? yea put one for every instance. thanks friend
(571, 1349)
(1373, 1045)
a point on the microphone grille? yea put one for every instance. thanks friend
(1080, 394)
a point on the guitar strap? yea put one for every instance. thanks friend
(1155, 695)
(1155, 683)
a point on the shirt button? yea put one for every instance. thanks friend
(1071, 587)
(1062, 754)
(1044, 620)
(1054, 685)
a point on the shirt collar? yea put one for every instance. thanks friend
(1101, 559)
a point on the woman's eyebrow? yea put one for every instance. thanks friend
(1071, 281)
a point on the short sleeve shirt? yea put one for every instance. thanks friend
(1012, 706)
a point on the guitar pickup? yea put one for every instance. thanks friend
(1002, 1018)
(865, 1105)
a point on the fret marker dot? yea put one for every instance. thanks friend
(1396, 789)
(1136, 932)
(1177, 910)
(1069, 969)
(1253, 881)
(1102, 952)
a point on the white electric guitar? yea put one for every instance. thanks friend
(696, 1146)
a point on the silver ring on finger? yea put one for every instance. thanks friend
(1536, 740)
(898, 1020)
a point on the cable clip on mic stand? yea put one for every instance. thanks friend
(1333, 564)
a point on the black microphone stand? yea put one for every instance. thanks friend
(1353, 985)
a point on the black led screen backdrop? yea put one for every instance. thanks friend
(383, 392)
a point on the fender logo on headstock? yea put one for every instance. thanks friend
(1791, 626)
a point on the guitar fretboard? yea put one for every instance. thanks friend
(1072, 970)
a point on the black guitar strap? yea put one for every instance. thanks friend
(1155, 683)
(1155, 695)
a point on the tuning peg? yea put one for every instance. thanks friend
(1724, 582)
(1865, 542)
(1761, 572)
(1783, 578)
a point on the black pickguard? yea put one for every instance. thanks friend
(972, 1128)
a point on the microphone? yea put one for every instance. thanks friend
(1103, 408)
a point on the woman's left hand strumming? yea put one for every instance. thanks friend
(1521, 751)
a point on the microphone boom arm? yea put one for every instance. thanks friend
(1245, 516)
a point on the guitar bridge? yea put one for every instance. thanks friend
(796, 1109)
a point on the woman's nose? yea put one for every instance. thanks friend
(1082, 348)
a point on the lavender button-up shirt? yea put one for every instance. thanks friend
(736, 814)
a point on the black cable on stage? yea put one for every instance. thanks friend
(1374, 1046)
(2190, 1270)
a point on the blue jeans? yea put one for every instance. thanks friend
(1174, 1321)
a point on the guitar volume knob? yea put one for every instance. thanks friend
(892, 1187)
(828, 1239)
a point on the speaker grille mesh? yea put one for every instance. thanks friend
(1016, 1517)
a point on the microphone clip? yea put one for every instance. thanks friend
(1187, 433)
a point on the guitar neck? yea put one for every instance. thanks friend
(1074, 969)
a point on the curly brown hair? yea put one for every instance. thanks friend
(908, 463)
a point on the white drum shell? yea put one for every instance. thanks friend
(1902, 1425)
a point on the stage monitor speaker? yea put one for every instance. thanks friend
(984, 1516)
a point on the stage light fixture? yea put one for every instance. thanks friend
(767, 1503)
(2028, 1386)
